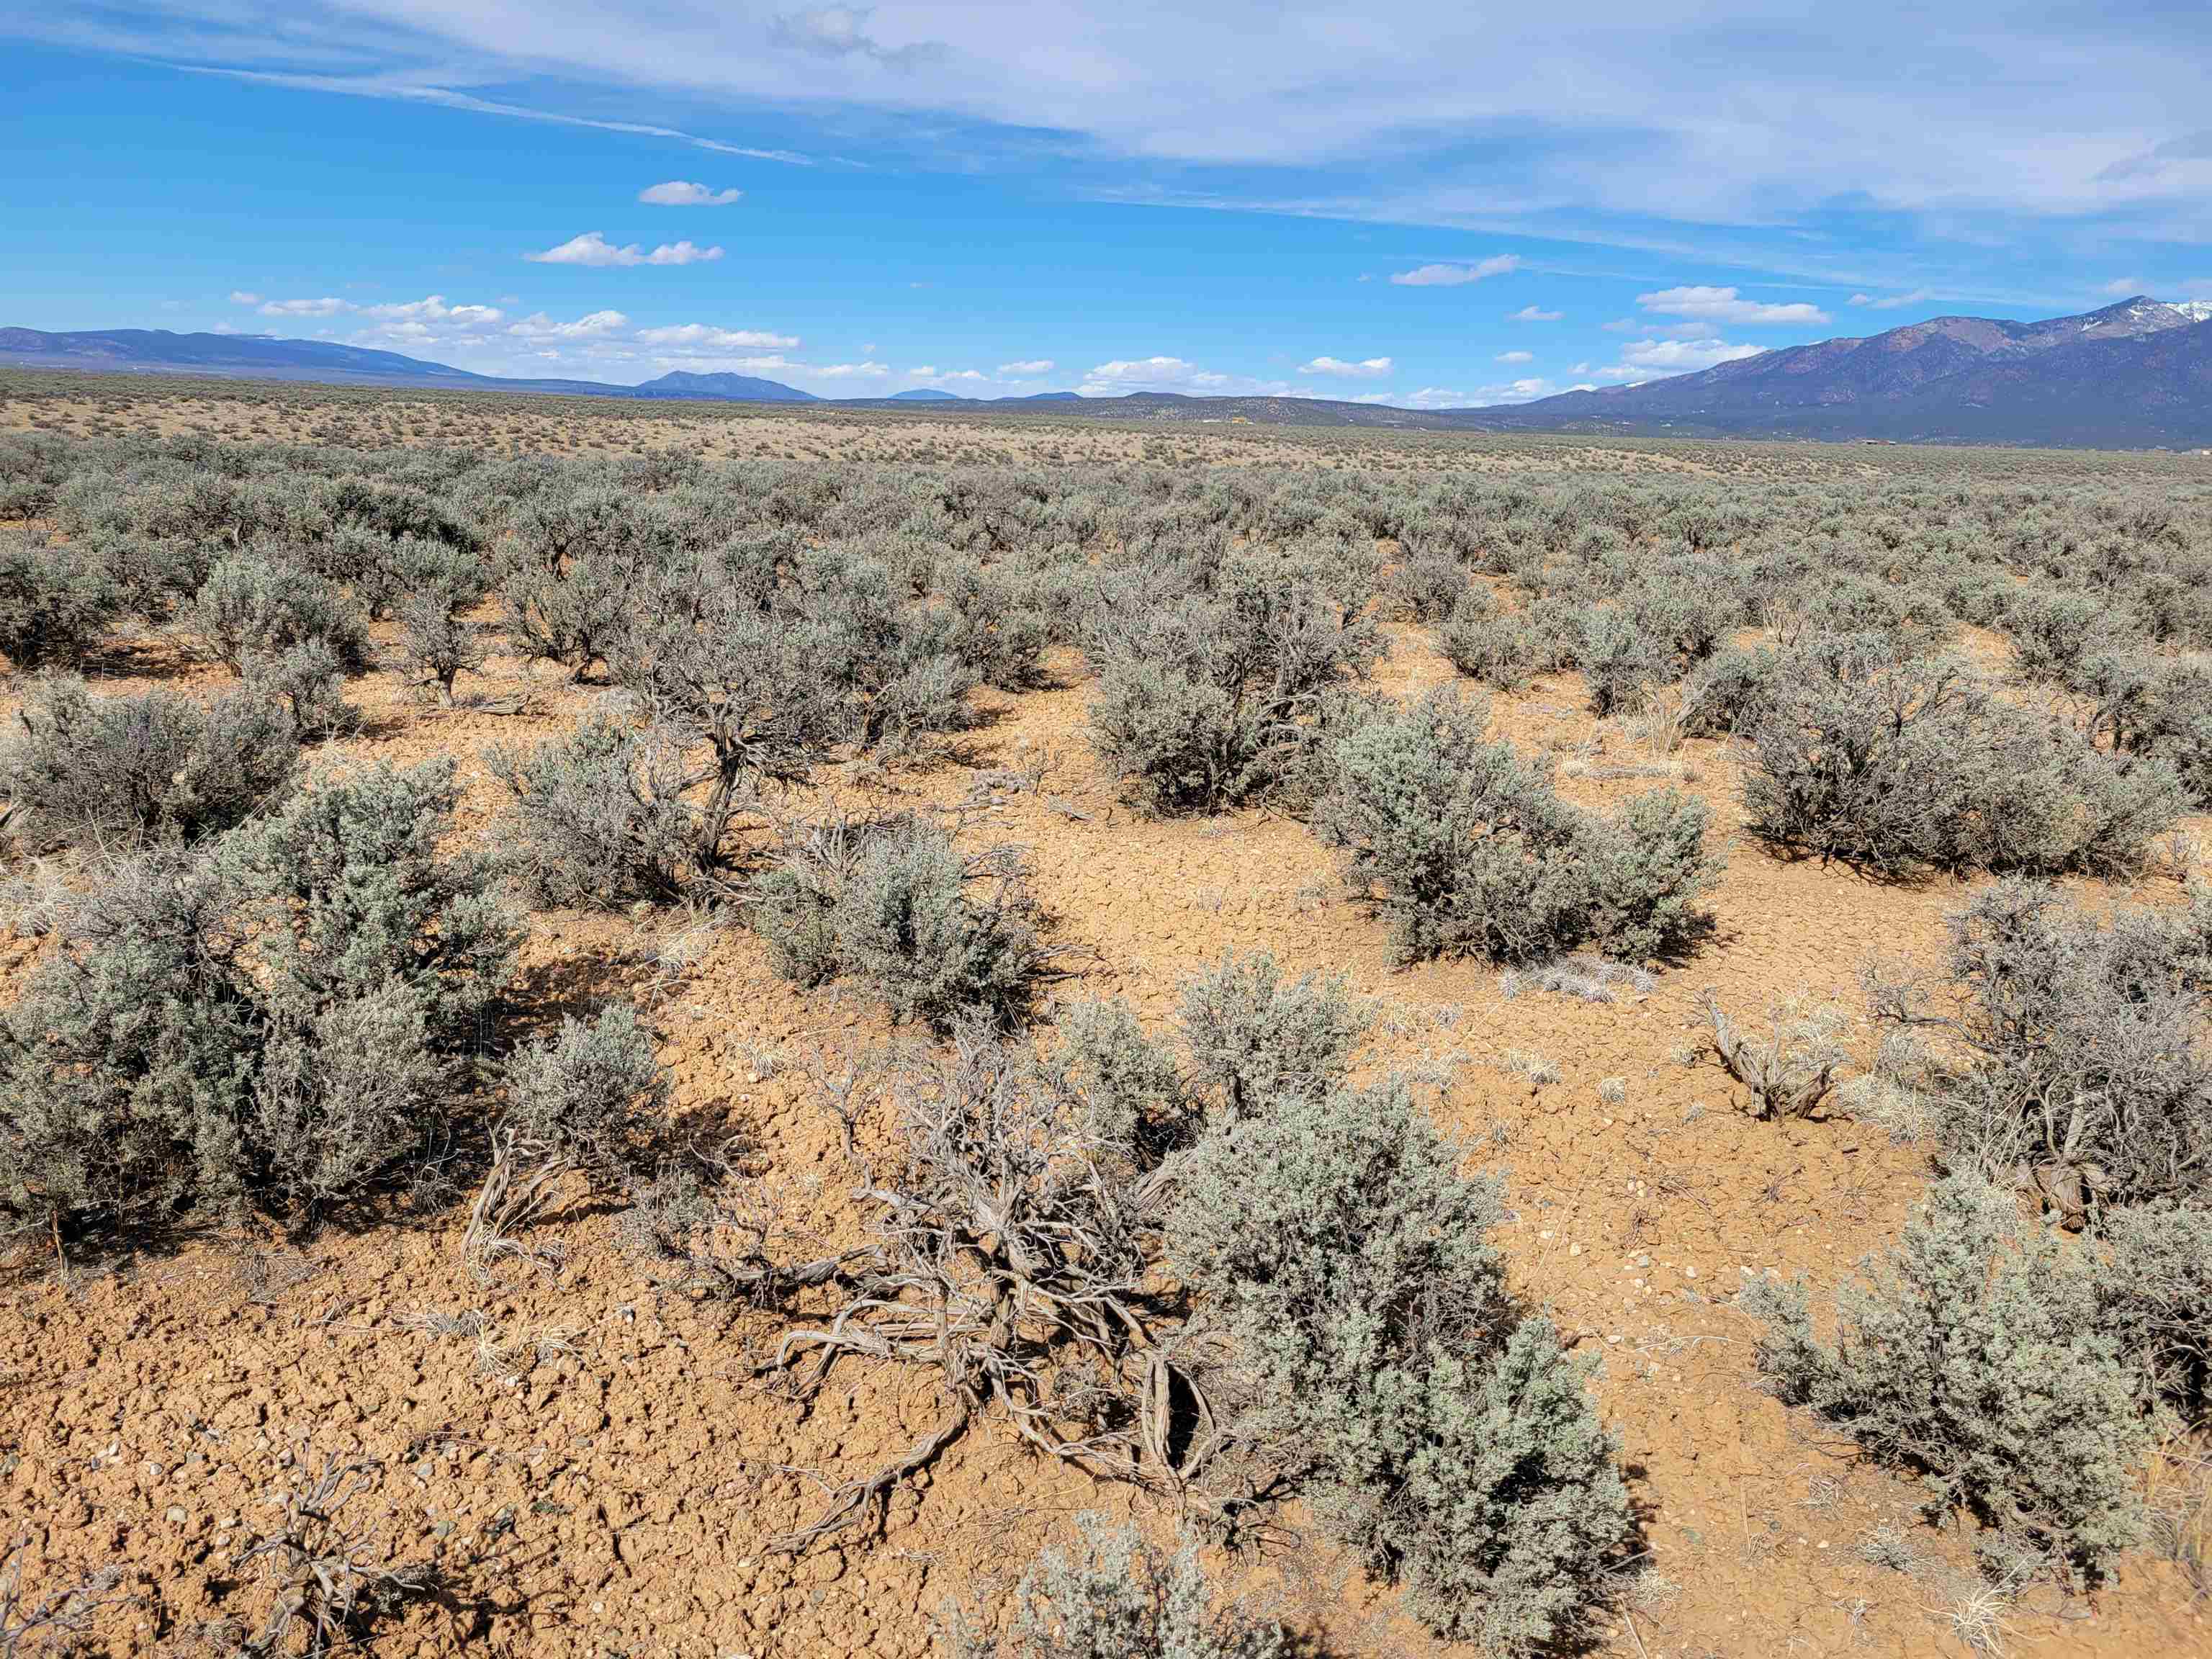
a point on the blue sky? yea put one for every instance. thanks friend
(1417, 203)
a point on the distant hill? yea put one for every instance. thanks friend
(257, 357)
(724, 388)
(2133, 375)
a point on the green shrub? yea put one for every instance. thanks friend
(1892, 766)
(251, 605)
(2078, 1051)
(1115, 1597)
(2156, 1295)
(1184, 744)
(1132, 1088)
(378, 959)
(1002, 627)
(1207, 695)
(1463, 845)
(437, 582)
(115, 773)
(1648, 869)
(906, 922)
(55, 602)
(1253, 1036)
(1621, 657)
(2055, 633)
(1427, 586)
(591, 1092)
(1972, 1353)
(1458, 840)
(1728, 689)
(598, 817)
(1449, 1441)
(1486, 645)
(126, 1085)
(282, 1022)
(308, 680)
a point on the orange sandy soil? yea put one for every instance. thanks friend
(583, 1454)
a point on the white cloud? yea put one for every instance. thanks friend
(434, 310)
(1111, 380)
(1724, 305)
(1131, 375)
(1918, 296)
(850, 371)
(238, 296)
(681, 192)
(1452, 275)
(1368, 368)
(326, 307)
(947, 376)
(2070, 112)
(594, 250)
(2121, 287)
(1646, 358)
(701, 336)
(841, 32)
(1027, 367)
(600, 325)
(1534, 314)
(1515, 357)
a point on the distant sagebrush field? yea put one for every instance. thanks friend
(637, 1030)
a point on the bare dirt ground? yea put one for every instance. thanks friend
(582, 1452)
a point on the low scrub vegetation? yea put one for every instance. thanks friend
(278, 1021)
(1460, 841)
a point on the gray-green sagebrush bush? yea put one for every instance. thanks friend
(280, 1021)
(2075, 1053)
(1253, 1034)
(1447, 1437)
(1898, 766)
(1113, 1597)
(120, 772)
(1212, 692)
(941, 936)
(55, 602)
(1459, 840)
(254, 605)
(1486, 644)
(591, 1092)
(1977, 1353)
(600, 818)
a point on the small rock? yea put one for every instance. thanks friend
(176, 1515)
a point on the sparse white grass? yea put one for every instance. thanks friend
(1976, 1613)
(1591, 978)
(1525, 1063)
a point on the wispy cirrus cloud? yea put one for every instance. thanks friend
(326, 307)
(702, 337)
(593, 250)
(1918, 296)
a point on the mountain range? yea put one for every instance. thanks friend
(2136, 374)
